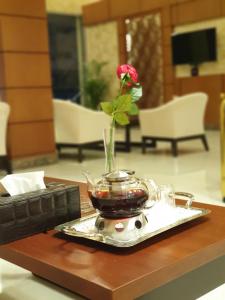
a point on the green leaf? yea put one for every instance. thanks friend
(107, 107)
(121, 118)
(133, 109)
(136, 93)
(122, 103)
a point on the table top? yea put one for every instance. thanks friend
(98, 271)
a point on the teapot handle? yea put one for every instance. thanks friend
(188, 196)
(153, 190)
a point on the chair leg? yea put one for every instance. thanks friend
(174, 147)
(58, 147)
(153, 144)
(143, 145)
(205, 142)
(80, 154)
(6, 164)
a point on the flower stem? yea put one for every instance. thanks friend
(111, 146)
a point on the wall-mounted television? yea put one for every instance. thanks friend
(194, 47)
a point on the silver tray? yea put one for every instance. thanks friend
(159, 220)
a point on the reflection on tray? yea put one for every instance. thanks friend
(131, 231)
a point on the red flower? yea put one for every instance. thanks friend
(127, 70)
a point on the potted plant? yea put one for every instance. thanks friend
(95, 85)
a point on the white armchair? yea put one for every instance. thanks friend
(180, 119)
(4, 116)
(77, 126)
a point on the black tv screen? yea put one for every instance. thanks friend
(194, 47)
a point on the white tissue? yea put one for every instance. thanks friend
(20, 183)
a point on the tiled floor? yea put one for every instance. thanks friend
(194, 170)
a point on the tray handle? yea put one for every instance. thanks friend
(188, 196)
(93, 236)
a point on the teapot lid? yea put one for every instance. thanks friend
(118, 176)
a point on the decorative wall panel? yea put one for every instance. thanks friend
(39, 135)
(102, 46)
(144, 49)
(69, 7)
(23, 8)
(32, 37)
(120, 8)
(194, 11)
(211, 85)
(26, 69)
(29, 105)
(25, 80)
(98, 11)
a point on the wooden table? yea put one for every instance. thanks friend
(98, 271)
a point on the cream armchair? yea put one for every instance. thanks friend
(77, 126)
(180, 119)
(4, 116)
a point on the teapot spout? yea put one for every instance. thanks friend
(90, 181)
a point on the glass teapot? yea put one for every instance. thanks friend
(119, 194)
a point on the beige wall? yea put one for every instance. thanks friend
(70, 7)
(208, 68)
(102, 45)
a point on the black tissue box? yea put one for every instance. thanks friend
(34, 212)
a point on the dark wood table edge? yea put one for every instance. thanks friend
(54, 275)
(138, 288)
